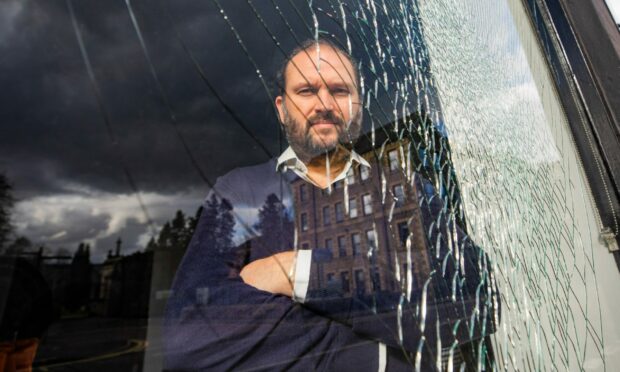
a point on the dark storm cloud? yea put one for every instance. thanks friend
(55, 146)
(130, 234)
(66, 227)
(52, 128)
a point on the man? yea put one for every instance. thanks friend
(263, 304)
(320, 112)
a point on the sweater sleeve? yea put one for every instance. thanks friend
(214, 321)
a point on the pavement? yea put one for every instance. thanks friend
(93, 344)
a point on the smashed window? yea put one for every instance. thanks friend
(154, 152)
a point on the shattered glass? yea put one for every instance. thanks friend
(456, 234)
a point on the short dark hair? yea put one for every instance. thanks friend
(305, 45)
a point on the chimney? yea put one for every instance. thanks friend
(118, 247)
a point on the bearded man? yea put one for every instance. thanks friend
(258, 303)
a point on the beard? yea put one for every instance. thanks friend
(308, 145)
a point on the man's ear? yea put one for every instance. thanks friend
(279, 105)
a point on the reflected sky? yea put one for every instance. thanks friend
(67, 151)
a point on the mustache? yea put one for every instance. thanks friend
(329, 116)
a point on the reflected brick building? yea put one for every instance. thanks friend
(370, 214)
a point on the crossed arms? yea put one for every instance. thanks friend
(227, 314)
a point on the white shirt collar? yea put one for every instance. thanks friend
(288, 160)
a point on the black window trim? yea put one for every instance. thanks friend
(568, 44)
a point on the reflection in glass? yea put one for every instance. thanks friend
(98, 150)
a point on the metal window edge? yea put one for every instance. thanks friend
(570, 86)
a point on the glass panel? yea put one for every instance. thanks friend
(342, 246)
(364, 173)
(370, 238)
(367, 203)
(352, 208)
(351, 176)
(399, 195)
(393, 160)
(329, 245)
(326, 216)
(356, 244)
(523, 187)
(159, 160)
(339, 212)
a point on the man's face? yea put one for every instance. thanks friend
(321, 105)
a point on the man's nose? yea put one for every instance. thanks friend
(325, 101)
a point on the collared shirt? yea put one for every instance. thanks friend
(290, 161)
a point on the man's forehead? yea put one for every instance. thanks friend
(325, 60)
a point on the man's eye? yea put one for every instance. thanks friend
(340, 92)
(306, 91)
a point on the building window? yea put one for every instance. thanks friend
(376, 280)
(342, 246)
(364, 173)
(399, 195)
(304, 222)
(370, 237)
(338, 184)
(344, 279)
(329, 246)
(330, 278)
(326, 216)
(339, 212)
(367, 204)
(351, 176)
(360, 282)
(403, 232)
(352, 207)
(393, 160)
(356, 244)
(303, 192)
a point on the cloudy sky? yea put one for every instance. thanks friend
(68, 154)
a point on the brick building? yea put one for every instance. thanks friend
(372, 213)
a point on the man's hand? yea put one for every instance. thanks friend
(271, 274)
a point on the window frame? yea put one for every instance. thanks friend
(353, 210)
(327, 220)
(356, 247)
(367, 205)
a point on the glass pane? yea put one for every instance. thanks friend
(159, 161)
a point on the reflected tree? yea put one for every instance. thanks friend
(274, 225)
(225, 225)
(210, 213)
(6, 204)
(19, 245)
(78, 290)
(177, 233)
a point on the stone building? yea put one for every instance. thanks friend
(366, 219)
